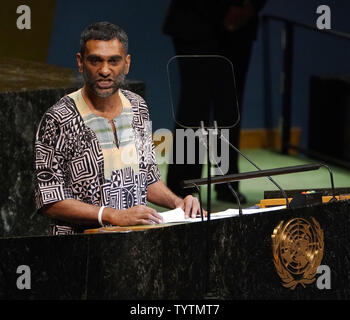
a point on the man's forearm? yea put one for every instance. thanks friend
(77, 212)
(159, 194)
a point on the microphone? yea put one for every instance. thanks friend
(200, 200)
(275, 183)
(228, 184)
(235, 195)
(253, 164)
(332, 182)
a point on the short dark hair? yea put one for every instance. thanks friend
(103, 31)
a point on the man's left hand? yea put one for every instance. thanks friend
(190, 205)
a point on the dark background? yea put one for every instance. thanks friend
(56, 27)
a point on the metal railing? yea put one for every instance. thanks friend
(286, 80)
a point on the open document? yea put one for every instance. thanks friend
(178, 215)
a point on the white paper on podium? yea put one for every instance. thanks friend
(178, 215)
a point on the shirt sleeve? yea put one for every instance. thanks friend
(48, 160)
(153, 174)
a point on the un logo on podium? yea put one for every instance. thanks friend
(297, 248)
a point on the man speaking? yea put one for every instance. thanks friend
(94, 154)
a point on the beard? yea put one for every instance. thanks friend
(92, 83)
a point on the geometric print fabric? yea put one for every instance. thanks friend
(69, 161)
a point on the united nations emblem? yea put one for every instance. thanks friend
(297, 248)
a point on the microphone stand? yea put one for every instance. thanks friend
(254, 165)
(200, 200)
(216, 132)
(275, 183)
(332, 183)
(206, 133)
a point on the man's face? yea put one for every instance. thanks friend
(104, 66)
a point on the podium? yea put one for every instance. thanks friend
(175, 261)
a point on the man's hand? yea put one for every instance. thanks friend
(190, 205)
(158, 193)
(138, 215)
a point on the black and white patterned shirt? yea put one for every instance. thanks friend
(69, 161)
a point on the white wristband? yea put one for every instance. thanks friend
(100, 216)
